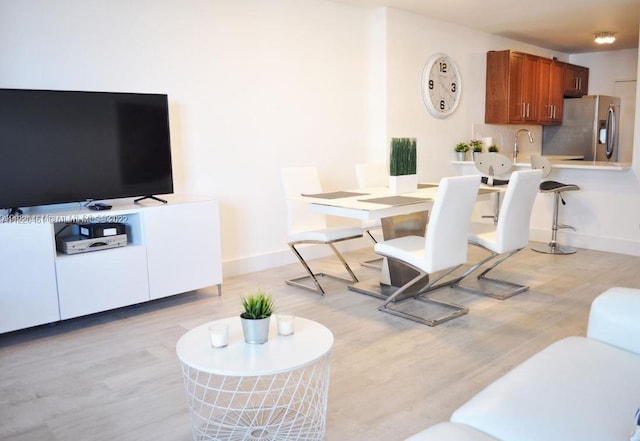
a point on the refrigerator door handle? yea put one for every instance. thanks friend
(612, 128)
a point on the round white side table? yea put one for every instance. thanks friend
(273, 391)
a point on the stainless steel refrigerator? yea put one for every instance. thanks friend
(590, 127)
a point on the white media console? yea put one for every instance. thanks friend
(172, 248)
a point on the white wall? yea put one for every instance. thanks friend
(253, 86)
(605, 68)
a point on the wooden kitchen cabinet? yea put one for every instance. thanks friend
(550, 91)
(512, 88)
(576, 80)
(524, 88)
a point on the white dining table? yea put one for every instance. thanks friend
(371, 203)
(400, 215)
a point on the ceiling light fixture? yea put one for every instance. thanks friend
(605, 38)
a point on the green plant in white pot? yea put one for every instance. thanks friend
(461, 150)
(256, 316)
(476, 147)
(402, 165)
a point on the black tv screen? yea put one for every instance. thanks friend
(70, 146)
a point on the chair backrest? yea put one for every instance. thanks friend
(371, 175)
(540, 163)
(446, 238)
(493, 164)
(512, 231)
(296, 181)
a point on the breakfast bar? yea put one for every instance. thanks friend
(568, 165)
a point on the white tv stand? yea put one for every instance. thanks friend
(172, 248)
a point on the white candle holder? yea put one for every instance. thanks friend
(285, 324)
(219, 335)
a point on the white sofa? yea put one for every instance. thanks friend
(579, 388)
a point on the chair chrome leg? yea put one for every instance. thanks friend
(554, 247)
(345, 264)
(516, 287)
(311, 275)
(372, 263)
(314, 276)
(399, 295)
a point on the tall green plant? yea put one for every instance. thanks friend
(257, 306)
(403, 157)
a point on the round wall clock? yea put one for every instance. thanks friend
(441, 85)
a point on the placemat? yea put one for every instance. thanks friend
(335, 195)
(394, 200)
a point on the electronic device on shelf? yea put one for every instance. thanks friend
(69, 146)
(81, 244)
(99, 206)
(101, 229)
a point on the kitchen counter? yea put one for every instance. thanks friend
(570, 164)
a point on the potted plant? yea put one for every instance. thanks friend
(476, 147)
(402, 165)
(256, 316)
(493, 148)
(461, 150)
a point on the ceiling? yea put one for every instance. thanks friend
(567, 26)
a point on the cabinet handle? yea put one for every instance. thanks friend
(554, 111)
(577, 82)
(550, 113)
(527, 110)
(522, 110)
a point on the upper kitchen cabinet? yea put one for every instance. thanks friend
(550, 91)
(576, 80)
(512, 88)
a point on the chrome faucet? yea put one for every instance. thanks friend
(515, 143)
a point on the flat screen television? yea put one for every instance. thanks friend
(71, 146)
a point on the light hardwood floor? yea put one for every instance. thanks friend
(115, 375)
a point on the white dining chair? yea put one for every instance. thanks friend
(372, 175)
(509, 236)
(442, 249)
(306, 227)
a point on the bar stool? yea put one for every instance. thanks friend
(490, 165)
(553, 247)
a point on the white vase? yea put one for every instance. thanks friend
(403, 184)
(256, 331)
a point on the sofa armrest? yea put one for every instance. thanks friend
(615, 318)
(450, 432)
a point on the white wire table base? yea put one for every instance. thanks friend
(286, 406)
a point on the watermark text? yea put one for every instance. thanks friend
(59, 219)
